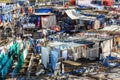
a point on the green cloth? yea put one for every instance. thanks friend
(1, 56)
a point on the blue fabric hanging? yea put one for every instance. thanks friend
(57, 50)
(38, 18)
(5, 59)
(6, 68)
(3, 18)
(99, 2)
(10, 17)
(7, 17)
(31, 42)
(54, 59)
(38, 49)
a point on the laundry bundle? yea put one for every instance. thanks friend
(29, 25)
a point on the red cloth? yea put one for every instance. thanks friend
(56, 28)
(72, 2)
(108, 2)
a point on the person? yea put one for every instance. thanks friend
(45, 34)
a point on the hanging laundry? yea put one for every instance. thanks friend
(48, 21)
(64, 54)
(10, 17)
(75, 55)
(54, 59)
(57, 69)
(3, 18)
(96, 24)
(25, 52)
(81, 22)
(45, 56)
(57, 50)
(7, 18)
(107, 45)
(38, 48)
(38, 22)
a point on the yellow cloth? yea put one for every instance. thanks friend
(118, 40)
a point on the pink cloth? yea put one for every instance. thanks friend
(38, 24)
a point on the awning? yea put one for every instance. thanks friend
(111, 28)
(97, 6)
(63, 8)
(43, 10)
(83, 2)
(43, 14)
(72, 14)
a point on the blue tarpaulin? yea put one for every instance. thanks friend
(83, 7)
(45, 10)
(110, 64)
(112, 58)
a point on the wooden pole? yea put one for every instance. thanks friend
(61, 60)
